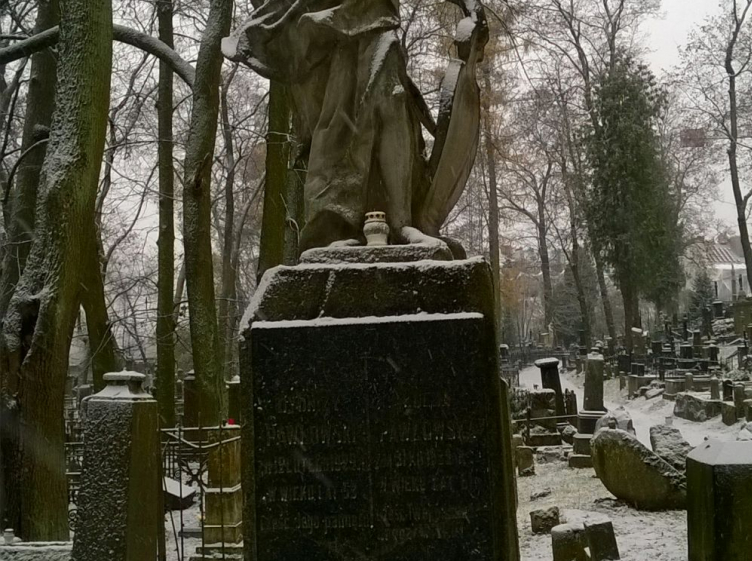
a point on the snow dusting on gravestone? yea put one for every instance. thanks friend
(377, 435)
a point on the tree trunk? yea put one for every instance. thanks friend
(40, 103)
(103, 347)
(199, 267)
(295, 206)
(227, 296)
(607, 312)
(626, 295)
(574, 265)
(43, 310)
(274, 217)
(741, 202)
(39, 107)
(165, 329)
(493, 196)
(548, 291)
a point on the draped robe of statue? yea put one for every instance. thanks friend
(356, 109)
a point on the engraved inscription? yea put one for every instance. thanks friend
(372, 451)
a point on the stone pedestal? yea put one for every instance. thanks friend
(374, 416)
(119, 508)
(234, 406)
(719, 484)
(586, 421)
(223, 514)
(549, 368)
(715, 388)
(586, 424)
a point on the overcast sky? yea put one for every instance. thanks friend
(665, 35)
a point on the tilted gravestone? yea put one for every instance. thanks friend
(550, 379)
(375, 422)
(119, 508)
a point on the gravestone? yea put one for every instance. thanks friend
(119, 505)
(375, 422)
(549, 368)
(593, 400)
(190, 401)
(719, 484)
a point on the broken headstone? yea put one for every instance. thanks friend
(635, 474)
(543, 520)
(525, 461)
(670, 445)
(622, 417)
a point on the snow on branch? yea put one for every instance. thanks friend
(126, 35)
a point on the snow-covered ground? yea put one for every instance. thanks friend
(655, 536)
(173, 543)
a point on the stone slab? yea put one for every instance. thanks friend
(36, 551)
(376, 254)
(580, 461)
(696, 408)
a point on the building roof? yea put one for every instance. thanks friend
(720, 254)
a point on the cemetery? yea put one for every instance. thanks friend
(470, 309)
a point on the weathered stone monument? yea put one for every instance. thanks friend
(375, 419)
(119, 507)
(719, 484)
(593, 410)
(375, 422)
(549, 368)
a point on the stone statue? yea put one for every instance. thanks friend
(359, 115)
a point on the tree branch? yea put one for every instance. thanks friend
(126, 35)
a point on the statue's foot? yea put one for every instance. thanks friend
(412, 235)
(346, 243)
